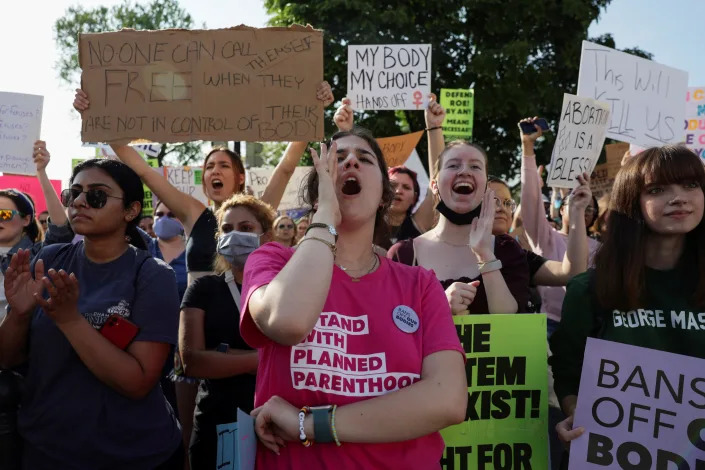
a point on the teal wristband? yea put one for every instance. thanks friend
(321, 425)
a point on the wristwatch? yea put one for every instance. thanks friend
(222, 347)
(330, 229)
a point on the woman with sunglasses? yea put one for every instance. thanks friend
(368, 343)
(545, 240)
(95, 321)
(284, 231)
(481, 273)
(404, 221)
(209, 333)
(223, 176)
(18, 226)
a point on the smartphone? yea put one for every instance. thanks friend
(119, 331)
(528, 127)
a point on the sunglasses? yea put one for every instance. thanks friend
(43, 221)
(162, 214)
(283, 226)
(96, 198)
(8, 214)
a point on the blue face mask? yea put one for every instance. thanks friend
(167, 227)
(235, 247)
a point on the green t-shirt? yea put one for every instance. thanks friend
(667, 321)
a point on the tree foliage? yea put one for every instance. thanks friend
(159, 14)
(520, 57)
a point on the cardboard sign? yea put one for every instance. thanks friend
(581, 134)
(603, 175)
(645, 98)
(394, 76)
(507, 417)
(695, 120)
(397, 149)
(460, 112)
(31, 186)
(20, 127)
(175, 85)
(640, 408)
(258, 178)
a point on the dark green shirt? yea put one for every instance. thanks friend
(667, 321)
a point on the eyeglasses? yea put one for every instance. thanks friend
(96, 198)
(162, 214)
(43, 221)
(8, 214)
(283, 226)
(508, 204)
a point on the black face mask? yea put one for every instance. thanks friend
(456, 218)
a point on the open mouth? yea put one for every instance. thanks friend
(217, 184)
(463, 187)
(351, 186)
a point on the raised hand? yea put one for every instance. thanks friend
(434, 114)
(480, 239)
(327, 169)
(460, 295)
(20, 288)
(80, 101)
(325, 93)
(528, 140)
(343, 117)
(63, 289)
(41, 155)
(581, 196)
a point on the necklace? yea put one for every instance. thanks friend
(357, 279)
(438, 237)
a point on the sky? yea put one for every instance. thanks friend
(670, 30)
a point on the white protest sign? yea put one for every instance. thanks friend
(150, 150)
(414, 164)
(389, 76)
(645, 98)
(20, 126)
(581, 134)
(259, 177)
(186, 179)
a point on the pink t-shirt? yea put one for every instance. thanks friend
(356, 351)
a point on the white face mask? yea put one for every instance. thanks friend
(235, 247)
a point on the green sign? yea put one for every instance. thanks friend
(76, 161)
(460, 111)
(506, 423)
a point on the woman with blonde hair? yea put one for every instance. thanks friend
(209, 334)
(284, 230)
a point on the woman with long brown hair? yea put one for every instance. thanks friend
(651, 264)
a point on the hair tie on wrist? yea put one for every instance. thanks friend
(433, 128)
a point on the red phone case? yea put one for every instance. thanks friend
(119, 331)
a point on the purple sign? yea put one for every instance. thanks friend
(641, 409)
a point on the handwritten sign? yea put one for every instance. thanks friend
(506, 423)
(31, 186)
(237, 444)
(186, 179)
(20, 126)
(227, 84)
(640, 408)
(645, 98)
(460, 111)
(149, 150)
(581, 134)
(258, 178)
(695, 120)
(603, 176)
(389, 76)
(397, 149)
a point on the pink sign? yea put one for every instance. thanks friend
(31, 186)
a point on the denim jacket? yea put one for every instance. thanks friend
(55, 234)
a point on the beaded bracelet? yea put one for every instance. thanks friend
(302, 433)
(332, 426)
